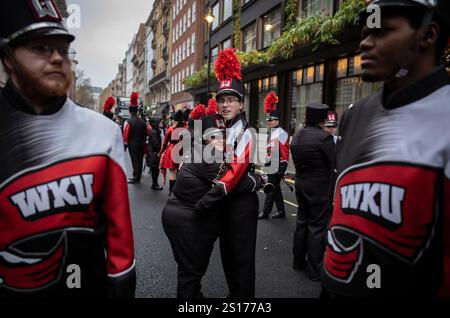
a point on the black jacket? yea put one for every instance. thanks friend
(312, 151)
(195, 180)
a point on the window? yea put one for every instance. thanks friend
(194, 12)
(214, 54)
(176, 57)
(249, 38)
(188, 47)
(192, 68)
(176, 82)
(227, 9)
(226, 44)
(184, 23)
(189, 17)
(173, 59)
(247, 98)
(271, 27)
(193, 43)
(216, 13)
(184, 50)
(307, 87)
(350, 87)
(316, 7)
(266, 85)
(173, 35)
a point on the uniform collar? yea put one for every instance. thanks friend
(18, 101)
(239, 117)
(417, 90)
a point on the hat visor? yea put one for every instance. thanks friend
(44, 32)
(213, 132)
(229, 92)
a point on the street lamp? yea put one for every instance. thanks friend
(209, 19)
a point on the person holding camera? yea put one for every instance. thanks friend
(277, 149)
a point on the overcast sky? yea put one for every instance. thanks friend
(107, 28)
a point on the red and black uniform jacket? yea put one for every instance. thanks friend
(240, 140)
(391, 216)
(278, 149)
(64, 205)
(135, 132)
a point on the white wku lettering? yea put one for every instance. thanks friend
(378, 199)
(38, 200)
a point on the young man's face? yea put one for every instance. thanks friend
(330, 129)
(387, 49)
(273, 123)
(42, 66)
(229, 106)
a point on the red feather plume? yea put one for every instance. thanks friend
(227, 65)
(212, 107)
(109, 104)
(270, 103)
(198, 112)
(134, 99)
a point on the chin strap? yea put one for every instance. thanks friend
(402, 73)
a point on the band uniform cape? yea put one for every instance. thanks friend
(63, 201)
(392, 197)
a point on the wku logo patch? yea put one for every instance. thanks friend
(44, 10)
(392, 206)
(225, 84)
(74, 193)
(37, 209)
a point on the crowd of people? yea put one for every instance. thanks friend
(373, 190)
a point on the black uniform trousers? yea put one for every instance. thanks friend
(136, 151)
(275, 196)
(192, 238)
(238, 243)
(312, 220)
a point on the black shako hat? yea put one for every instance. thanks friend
(178, 116)
(440, 8)
(23, 19)
(134, 102)
(228, 73)
(212, 122)
(270, 107)
(316, 113)
(213, 125)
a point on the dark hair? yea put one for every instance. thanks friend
(415, 16)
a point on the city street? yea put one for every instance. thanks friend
(156, 267)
